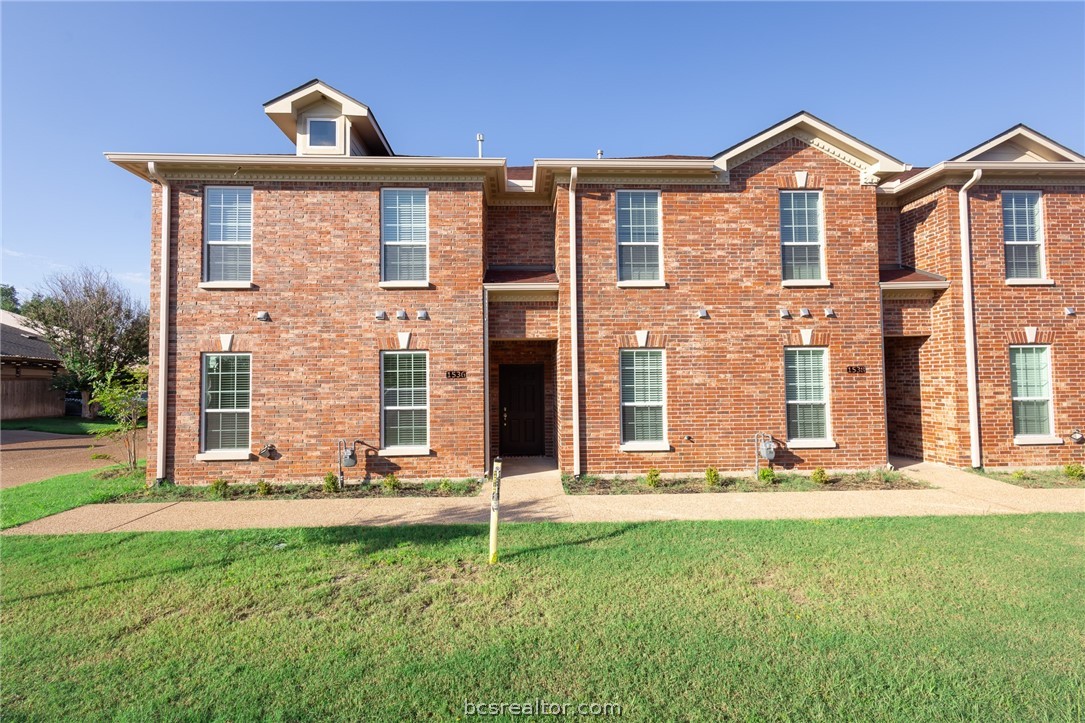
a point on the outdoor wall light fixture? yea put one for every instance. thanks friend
(401, 314)
(423, 315)
(380, 315)
(267, 451)
(702, 313)
(785, 314)
(1077, 436)
(805, 313)
(1070, 311)
(829, 313)
(263, 316)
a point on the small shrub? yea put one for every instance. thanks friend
(1020, 475)
(820, 476)
(767, 475)
(712, 477)
(263, 487)
(861, 476)
(444, 486)
(653, 479)
(390, 483)
(331, 482)
(220, 488)
(1074, 471)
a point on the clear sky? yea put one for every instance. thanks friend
(922, 81)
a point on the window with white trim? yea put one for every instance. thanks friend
(227, 401)
(323, 132)
(404, 399)
(807, 380)
(638, 236)
(404, 234)
(801, 235)
(1021, 233)
(1030, 382)
(642, 395)
(227, 233)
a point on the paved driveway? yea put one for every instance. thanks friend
(31, 456)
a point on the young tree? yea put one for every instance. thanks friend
(9, 299)
(93, 324)
(123, 398)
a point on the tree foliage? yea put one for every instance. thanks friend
(93, 325)
(9, 299)
(122, 396)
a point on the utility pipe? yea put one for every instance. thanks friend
(163, 323)
(969, 320)
(574, 314)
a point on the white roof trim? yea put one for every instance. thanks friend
(1028, 139)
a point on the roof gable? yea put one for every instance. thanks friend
(873, 164)
(1019, 144)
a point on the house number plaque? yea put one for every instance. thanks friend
(857, 370)
(457, 374)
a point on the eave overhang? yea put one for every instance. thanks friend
(950, 173)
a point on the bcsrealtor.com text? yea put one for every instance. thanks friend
(540, 707)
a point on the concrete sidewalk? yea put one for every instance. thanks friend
(531, 492)
(28, 456)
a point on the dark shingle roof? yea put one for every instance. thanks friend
(16, 342)
(520, 275)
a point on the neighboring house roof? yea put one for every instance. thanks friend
(17, 320)
(519, 173)
(18, 343)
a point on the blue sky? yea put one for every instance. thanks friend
(922, 81)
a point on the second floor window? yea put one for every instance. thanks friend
(638, 236)
(1021, 234)
(404, 234)
(227, 233)
(800, 235)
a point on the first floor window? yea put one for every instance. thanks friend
(1030, 381)
(227, 399)
(1021, 234)
(800, 235)
(228, 233)
(642, 395)
(638, 235)
(404, 234)
(807, 383)
(405, 398)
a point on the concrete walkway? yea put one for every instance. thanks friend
(27, 456)
(531, 491)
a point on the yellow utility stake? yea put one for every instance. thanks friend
(495, 503)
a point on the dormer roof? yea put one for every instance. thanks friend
(1020, 144)
(871, 162)
(285, 109)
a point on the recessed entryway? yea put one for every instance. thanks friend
(522, 414)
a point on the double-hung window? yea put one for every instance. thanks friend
(404, 234)
(638, 236)
(642, 398)
(802, 245)
(227, 401)
(807, 381)
(1030, 382)
(227, 233)
(405, 399)
(1021, 233)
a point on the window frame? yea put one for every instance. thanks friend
(1040, 243)
(403, 283)
(659, 281)
(222, 453)
(828, 440)
(404, 450)
(823, 279)
(309, 132)
(205, 281)
(1050, 437)
(660, 445)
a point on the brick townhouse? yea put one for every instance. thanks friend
(615, 314)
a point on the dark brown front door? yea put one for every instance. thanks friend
(521, 413)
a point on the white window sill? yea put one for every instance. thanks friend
(1030, 282)
(645, 447)
(405, 451)
(806, 283)
(1029, 439)
(224, 455)
(403, 285)
(224, 285)
(811, 444)
(643, 284)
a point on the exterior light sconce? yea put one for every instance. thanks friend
(423, 315)
(1070, 311)
(380, 315)
(805, 313)
(829, 313)
(401, 315)
(785, 314)
(263, 316)
(267, 451)
(702, 313)
(1077, 436)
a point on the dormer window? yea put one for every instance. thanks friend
(323, 133)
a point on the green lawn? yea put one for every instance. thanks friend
(1057, 478)
(56, 494)
(62, 425)
(967, 618)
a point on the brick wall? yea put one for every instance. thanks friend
(519, 235)
(524, 319)
(904, 396)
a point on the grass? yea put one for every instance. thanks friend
(203, 493)
(968, 618)
(63, 425)
(786, 482)
(1060, 478)
(40, 499)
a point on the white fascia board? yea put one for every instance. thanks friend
(902, 285)
(1046, 168)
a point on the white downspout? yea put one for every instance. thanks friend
(574, 314)
(486, 376)
(163, 324)
(969, 320)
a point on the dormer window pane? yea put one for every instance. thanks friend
(322, 133)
